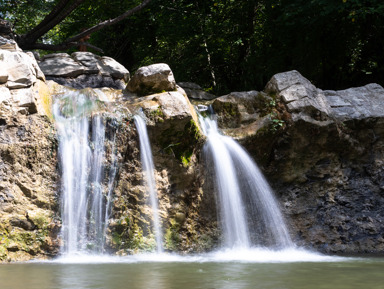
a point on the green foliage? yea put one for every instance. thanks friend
(228, 45)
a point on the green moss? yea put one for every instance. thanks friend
(24, 239)
(4, 242)
(181, 143)
(129, 236)
(157, 115)
(172, 236)
(3, 253)
(138, 242)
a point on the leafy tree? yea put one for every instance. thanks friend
(224, 45)
(334, 43)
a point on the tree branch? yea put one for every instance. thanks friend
(58, 14)
(109, 22)
(59, 6)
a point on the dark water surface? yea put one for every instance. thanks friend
(350, 273)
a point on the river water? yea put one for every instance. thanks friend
(209, 272)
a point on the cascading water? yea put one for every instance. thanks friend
(84, 207)
(240, 182)
(149, 177)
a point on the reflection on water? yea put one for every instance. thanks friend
(195, 272)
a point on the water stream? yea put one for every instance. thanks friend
(250, 214)
(81, 134)
(149, 178)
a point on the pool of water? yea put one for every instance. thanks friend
(257, 269)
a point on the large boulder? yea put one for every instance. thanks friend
(84, 69)
(151, 79)
(21, 83)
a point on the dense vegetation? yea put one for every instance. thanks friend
(228, 45)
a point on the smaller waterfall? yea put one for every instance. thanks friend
(81, 134)
(247, 203)
(149, 177)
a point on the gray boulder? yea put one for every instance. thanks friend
(302, 99)
(152, 79)
(306, 102)
(62, 65)
(194, 91)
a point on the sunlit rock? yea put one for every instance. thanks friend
(84, 69)
(150, 79)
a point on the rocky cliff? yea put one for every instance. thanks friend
(321, 150)
(28, 176)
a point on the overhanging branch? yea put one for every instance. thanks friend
(109, 22)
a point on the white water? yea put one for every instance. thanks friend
(240, 182)
(149, 178)
(250, 255)
(81, 158)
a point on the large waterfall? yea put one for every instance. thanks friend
(81, 134)
(149, 178)
(249, 212)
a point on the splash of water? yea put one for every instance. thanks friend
(239, 182)
(149, 177)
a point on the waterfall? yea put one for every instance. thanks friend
(149, 177)
(249, 212)
(84, 208)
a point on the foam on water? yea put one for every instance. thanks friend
(253, 255)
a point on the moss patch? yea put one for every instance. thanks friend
(172, 236)
(181, 144)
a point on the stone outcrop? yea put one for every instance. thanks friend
(84, 69)
(323, 153)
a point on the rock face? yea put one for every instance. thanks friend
(176, 143)
(28, 206)
(84, 69)
(323, 153)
